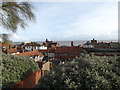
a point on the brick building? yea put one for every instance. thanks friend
(67, 52)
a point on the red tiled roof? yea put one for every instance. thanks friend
(51, 49)
(12, 51)
(31, 53)
(68, 50)
(6, 44)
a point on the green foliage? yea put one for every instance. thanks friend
(85, 73)
(5, 39)
(15, 68)
(52, 66)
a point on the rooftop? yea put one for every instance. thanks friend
(68, 50)
(32, 53)
(12, 50)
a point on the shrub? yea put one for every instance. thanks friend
(15, 68)
(85, 73)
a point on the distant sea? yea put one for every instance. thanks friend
(76, 43)
(68, 43)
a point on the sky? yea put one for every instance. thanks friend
(62, 21)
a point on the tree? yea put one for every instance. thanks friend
(85, 73)
(5, 38)
(15, 14)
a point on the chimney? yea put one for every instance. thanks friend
(72, 43)
(33, 48)
(22, 47)
(9, 46)
(16, 47)
(46, 40)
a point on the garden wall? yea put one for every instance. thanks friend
(30, 81)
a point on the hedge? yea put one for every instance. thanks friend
(85, 73)
(15, 68)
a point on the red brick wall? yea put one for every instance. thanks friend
(30, 81)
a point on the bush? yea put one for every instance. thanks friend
(15, 68)
(85, 73)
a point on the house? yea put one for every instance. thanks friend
(114, 45)
(95, 44)
(48, 43)
(93, 41)
(102, 48)
(51, 52)
(63, 53)
(101, 45)
(12, 51)
(6, 46)
(39, 57)
(88, 45)
(32, 46)
(103, 51)
(35, 47)
(36, 54)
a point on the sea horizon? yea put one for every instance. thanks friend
(68, 42)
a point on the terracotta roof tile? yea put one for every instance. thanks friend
(12, 51)
(31, 53)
